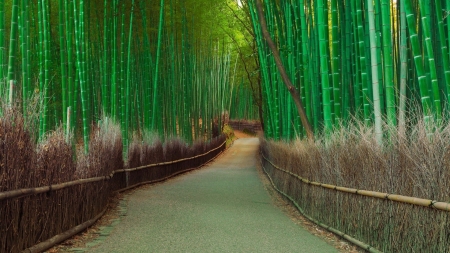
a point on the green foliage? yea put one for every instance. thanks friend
(354, 59)
(229, 134)
(163, 66)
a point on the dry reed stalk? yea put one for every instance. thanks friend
(415, 164)
(23, 165)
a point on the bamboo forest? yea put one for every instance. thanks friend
(339, 109)
(367, 60)
(94, 59)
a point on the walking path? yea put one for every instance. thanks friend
(220, 208)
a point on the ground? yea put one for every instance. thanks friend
(80, 242)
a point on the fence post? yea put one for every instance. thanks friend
(11, 92)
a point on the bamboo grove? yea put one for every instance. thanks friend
(363, 59)
(243, 104)
(137, 62)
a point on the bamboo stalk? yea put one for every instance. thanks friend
(289, 86)
(13, 47)
(63, 63)
(2, 47)
(375, 85)
(158, 53)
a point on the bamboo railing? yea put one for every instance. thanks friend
(253, 126)
(375, 221)
(444, 206)
(65, 200)
(45, 189)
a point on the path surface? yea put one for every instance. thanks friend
(221, 208)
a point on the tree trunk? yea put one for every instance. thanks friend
(294, 93)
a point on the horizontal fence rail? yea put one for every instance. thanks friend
(45, 189)
(329, 228)
(168, 163)
(172, 162)
(254, 126)
(376, 219)
(444, 206)
(70, 207)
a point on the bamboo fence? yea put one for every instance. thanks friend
(253, 126)
(375, 221)
(64, 209)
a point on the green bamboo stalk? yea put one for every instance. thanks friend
(45, 57)
(114, 63)
(347, 62)
(375, 84)
(84, 61)
(70, 73)
(172, 71)
(41, 69)
(443, 46)
(290, 68)
(366, 46)
(403, 70)
(363, 64)
(264, 74)
(29, 55)
(423, 85)
(299, 79)
(448, 22)
(305, 60)
(13, 47)
(335, 67)
(105, 73)
(322, 20)
(147, 88)
(25, 56)
(158, 53)
(378, 28)
(63, 63)
(429, 52)
(357, 86)
(314, 70)
(80, 69)
(123, 83)
(2, 47)
(128, 82)
(388, 66)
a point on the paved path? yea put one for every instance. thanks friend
(221, 208)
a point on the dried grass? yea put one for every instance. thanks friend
(105, 152)
(172, 150)
(23, 164)
(55, 162)
(414, 164)
(28, 220)
(17, 153)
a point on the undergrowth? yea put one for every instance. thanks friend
(415, 163)
(229, 133)
(26, 163)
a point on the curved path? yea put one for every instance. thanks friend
(220, 208)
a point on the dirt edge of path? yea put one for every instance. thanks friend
(286, 206)
(80, 242)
